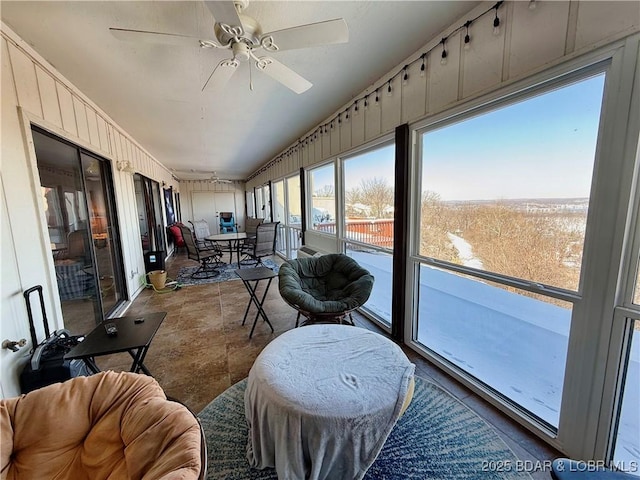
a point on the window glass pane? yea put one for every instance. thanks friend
(627, 448)
(380, 265)
(294, 218)
(78, 208)
(279, 215)
(143, 220)
(157, 214)
(323, 199)
(100, 221)
(508, 191)
(278, 202)
(53, 214)
(293, 203)
(636, 290)
(259, 203)
(513, 341)
(369, 180)
(250, 200)
(266, 192)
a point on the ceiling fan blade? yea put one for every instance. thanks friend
(155, 37)
(311, 35)
(224, 12)
(283, 74)
(222, 73)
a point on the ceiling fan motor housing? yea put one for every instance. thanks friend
(251, 31)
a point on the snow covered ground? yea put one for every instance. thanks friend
(515, 344)
(465, 252)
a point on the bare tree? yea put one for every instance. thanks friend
(534, 246)
(434, 229)
(325, 191)
(541, 247)
(375, 193)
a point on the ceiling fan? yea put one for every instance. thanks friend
(216, 179)
(200, 175)
(243, 36)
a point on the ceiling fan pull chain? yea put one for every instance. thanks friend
(250, 78)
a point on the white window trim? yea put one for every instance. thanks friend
(284, 225)
(309, 194)
(578, 433)
(378, 143)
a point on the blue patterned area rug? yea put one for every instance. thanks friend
(227, 272)
(438, 437)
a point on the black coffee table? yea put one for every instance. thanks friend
(248, 275)
(134, 336)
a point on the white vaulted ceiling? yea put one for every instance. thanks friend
(154, 91)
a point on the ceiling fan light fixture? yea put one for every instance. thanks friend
(241, 51)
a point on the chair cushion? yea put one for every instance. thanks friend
(326, 284)
(106, 426)
(177, 234)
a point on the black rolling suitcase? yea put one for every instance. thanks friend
(47, 364)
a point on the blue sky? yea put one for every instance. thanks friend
(542, 147)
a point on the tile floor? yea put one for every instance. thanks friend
(201, 349)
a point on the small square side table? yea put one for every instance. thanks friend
(256, 275)
(134, 337)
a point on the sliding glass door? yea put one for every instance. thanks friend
(149, 204)
(77, 191)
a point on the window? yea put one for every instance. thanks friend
(502, 221)
(287, 211)
(263, 203)
(369, 188)
(627, 442)
(149, 204)
(260, 206)
(250, 203)
(323, 199)
(293, 228)
(294, 204)
(636, 291)
(278, 201)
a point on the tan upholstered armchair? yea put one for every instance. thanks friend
(107, 426)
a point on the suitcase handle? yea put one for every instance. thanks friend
(32, 328)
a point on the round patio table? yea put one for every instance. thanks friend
(229, 237)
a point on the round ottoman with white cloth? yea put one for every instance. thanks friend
(322, 399)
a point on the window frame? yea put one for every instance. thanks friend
(583, 384)
(285, 244)
(625, 314)
(341, 227)
(309, 200)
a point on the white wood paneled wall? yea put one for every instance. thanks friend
(187, 187)
(33, 92)
(530, 41)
